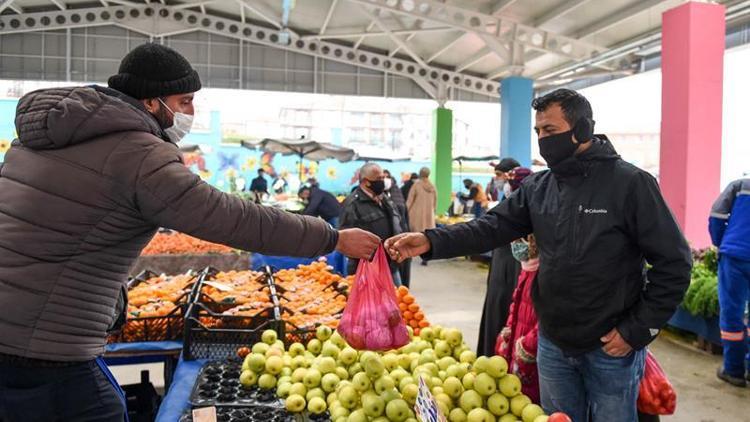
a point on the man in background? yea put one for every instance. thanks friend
(259, 185)
(320, 203)
(496, 187)
(406, 187)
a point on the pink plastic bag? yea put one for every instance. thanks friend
(656, 395)
(371, 319)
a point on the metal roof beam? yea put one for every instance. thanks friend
(500, 6)
(615, 18)
(232, 28)
(474, 59)
(357, 32)
(4, 4)
(495, 27)
(399, 42)
(556, 12)
(263, 11)
(196, 4)
(328, 17)
(446, 47)
(59, 4)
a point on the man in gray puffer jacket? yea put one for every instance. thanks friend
(93, 174)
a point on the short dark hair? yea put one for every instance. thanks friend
(261, 170)
(507, 164)
(573, 104)
(414, 176)
(468, 182)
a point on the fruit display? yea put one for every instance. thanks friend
(154, 308)
(218, 384)
(311, 295)
(449, 220)
(327, 375)
(410, 310)
(233, 294)
(173, 243)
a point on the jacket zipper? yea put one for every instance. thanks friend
(577, 239)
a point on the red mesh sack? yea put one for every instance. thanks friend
(656, 396)
(371, 319)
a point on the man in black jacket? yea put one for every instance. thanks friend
(369, 208)
(321, 204)
(598, 220)
(259, 184)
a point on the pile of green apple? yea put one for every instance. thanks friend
(355, 386)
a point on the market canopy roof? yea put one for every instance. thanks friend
(482, 158)
(303, 148)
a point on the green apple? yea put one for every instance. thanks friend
(284, 379)
(409, 393)
(299, 389)
(357, 416)
(299, 375)
(531, 412)
(361, 382)
(468, 356)
(355, 369)
(432, 367)
(453, 337)
(427, 356)
(389, 395)
(404, 361)
(446, 362)
(468, 381)
(457, 415)
(316, 406)
(327, 365)
(314, 346)
(427, 334)
(481, 364)
(380, 419)
(470, 400)
(510, 385)
(442, 397)
(366, 355)
(330, 350)
(312, 378)
(444, 408)
(384, 383)
(279, 345)
(260, 348)
(442, 349)
(339, 412)
(274, 351)
(267, 382)
(374, 367)
(373, 405)
(348, 356)
(480, 415)
(436, 382)
(485, 385)
(390, 361)
(299, 362)
(296, 349)
(286, 371)
(456, 371)
(283, 390)
(398, 374)
(453, 387)
(329, 382)
(331, 399)
(269, 337)
(348, 397)
(256, 362)
(315, 392)
(342, 373)
(274, 365)
(497, 367)
(542, 418)
(498, 404)
(442, 375)
(437, 390)
(404, 382)
(338, 340)
(397, 410)
(323, 333)
(508, 417)
(248, 378)
(518, 403)
(295, 403)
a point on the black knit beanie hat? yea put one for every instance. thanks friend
(153, 70)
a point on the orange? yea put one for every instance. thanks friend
(403, 291)
(419, 316)
(408, 315)
(408, 299)
(414, 307)
(402, 307)
(423, 324)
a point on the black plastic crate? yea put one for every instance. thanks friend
(158, 327)
(218, 384)
(198, 294)
(142, 400)
(250, 414)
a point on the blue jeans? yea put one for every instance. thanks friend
(734, 289)
(594, 383)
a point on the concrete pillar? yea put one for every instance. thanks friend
(692, 78)
(442, 156)
(516, 94)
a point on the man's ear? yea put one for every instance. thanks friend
(152, 105)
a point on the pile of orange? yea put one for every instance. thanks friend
(410, 310)
(312, 294)
(179, 243)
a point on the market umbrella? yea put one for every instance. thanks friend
(368, 158)
(303, 148)
(462, 158)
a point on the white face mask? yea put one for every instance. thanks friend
(182, 123)
(507, 190)
(388, 183)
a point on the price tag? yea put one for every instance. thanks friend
(218, 286)
(426, 407)
(204, 414)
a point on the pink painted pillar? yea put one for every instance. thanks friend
(692, 76)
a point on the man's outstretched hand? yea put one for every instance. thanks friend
(357, 243)
(407, 245)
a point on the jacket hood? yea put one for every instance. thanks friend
(60, 117)
(601, 150)
(425, 186)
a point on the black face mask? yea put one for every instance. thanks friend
(556, 148)
(377, 186)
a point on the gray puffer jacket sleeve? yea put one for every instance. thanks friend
(169, 195)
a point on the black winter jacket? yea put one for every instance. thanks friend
(597, 220)
(322, 204)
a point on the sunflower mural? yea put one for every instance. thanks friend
(332, 173)
(250, 164)
(4, 146)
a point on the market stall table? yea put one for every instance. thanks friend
(134, 353)
(177, 399)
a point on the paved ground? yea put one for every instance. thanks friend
(452, 294)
